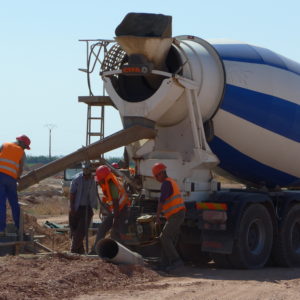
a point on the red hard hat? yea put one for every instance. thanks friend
(25, 139)
(102, 172)
(157, 168)
(115, 165)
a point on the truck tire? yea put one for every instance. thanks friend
(254, 241)
(286, 251)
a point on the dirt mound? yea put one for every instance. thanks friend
(65, 276)
(51, 239)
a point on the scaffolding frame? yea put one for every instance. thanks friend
(96, 53)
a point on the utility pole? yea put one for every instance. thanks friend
(50, 127)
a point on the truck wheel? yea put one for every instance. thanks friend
(254, 240)
(286, 252)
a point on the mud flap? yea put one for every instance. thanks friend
(217, 241)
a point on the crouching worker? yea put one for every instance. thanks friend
(115, 199)
(83, 198)
(171, 205)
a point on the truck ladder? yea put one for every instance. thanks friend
(95, 121)
(96, 51)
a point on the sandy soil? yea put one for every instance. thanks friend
(63, 276)
(214, 284)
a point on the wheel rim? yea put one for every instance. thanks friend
(256, 235)
(296, 237)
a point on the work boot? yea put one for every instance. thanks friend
(159, 267)
(175, 265)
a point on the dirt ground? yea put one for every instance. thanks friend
(60, 275)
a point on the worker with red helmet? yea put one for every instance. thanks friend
(171, 205)
(115, 165)
(12, 157)
(115, 199)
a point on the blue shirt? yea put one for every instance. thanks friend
(85, 191)
(166, 191)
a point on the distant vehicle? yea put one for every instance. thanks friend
(69, 173)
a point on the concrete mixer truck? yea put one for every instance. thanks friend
(201, 107)
(220, 106)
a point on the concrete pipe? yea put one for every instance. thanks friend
(114, 252)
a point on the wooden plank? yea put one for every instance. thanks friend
(14, 243)
(42, 246)
(96, 100)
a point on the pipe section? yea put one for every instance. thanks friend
(114, 252)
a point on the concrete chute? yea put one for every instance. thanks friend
(93, 151)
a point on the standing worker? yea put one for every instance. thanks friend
(115, 199)
(171, 205)
(12, 157)
(83, 198)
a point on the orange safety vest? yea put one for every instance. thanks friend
(10, 158)
(123, 197)
(175, 202)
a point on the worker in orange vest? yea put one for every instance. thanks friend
(115, 199)
(171, 205)
(12, 158)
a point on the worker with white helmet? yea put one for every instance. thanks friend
(115, 199)
(12, 157)
(171, 205)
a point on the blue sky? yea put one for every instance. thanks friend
(40, 55)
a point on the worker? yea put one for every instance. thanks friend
(83, 198)
(171, 205)
(12, 157)
(116, 201)
(115, 165)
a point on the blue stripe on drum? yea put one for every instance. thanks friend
(256, 55)
(272, 113)
(246, 168)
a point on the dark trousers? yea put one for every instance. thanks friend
(107, 224)
(79, 224)
(169, 237)
(8, 190)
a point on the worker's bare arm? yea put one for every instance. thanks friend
(158, 212)
(116, 208)
(21, 167)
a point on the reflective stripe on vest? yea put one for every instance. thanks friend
(175, 202)
(9, 169)
(9, 161)
(123, 198)
(10, 156)
(172, 198)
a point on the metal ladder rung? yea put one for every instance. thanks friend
(95, 134)
(95, 118)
